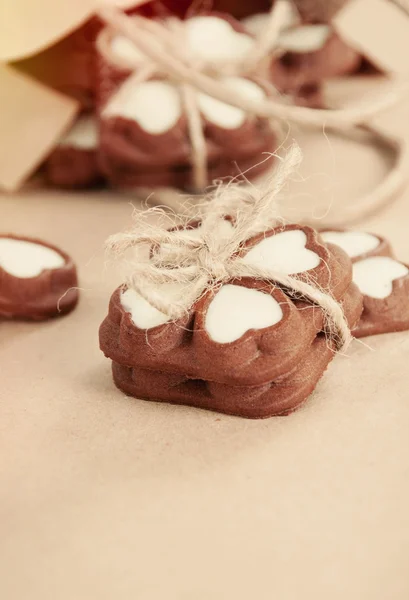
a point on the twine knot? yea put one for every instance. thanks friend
(211, 265)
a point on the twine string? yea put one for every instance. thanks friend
(201, 262)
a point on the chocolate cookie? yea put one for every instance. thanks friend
(37, 280)
(274, 398)
(383, 281)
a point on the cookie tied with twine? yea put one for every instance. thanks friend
(202, 259)
(162, 54)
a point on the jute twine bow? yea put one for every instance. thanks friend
(207, 259)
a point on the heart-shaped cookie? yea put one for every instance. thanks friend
(385, 284)
(383, 281)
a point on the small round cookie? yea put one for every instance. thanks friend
(37, 280)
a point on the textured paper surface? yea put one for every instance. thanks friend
(28, 26)
(379, 29)
(32, 118)
(104, 496)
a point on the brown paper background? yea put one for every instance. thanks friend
(104, 496)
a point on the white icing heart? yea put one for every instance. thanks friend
(236, 309)
(155, 105)
(83, 134)
(224, 115)
(305, 38)
(123, 49)
(143, 314)
(284, 252)
(374, 275)
(25, 259)
(214, 40)
(354, 243)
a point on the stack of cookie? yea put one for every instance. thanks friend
(153, 134)
(246, 347)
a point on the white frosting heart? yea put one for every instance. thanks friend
(83, 134)
(305, 38)
(354, 243)
(24, 259)
(155, 105)
(374, 275)
(143, 314)
(212, 39)
(284, 252)
(225, 115)
(236, 309)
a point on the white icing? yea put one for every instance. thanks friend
(374, 275)
(284, 252)
(143, 314)
(123, 49)
(306, 38)
(214, 40)
(353, 243)
(83, 134)
(25, 259)
(155, 105)
(235, 310)
(224, 115)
